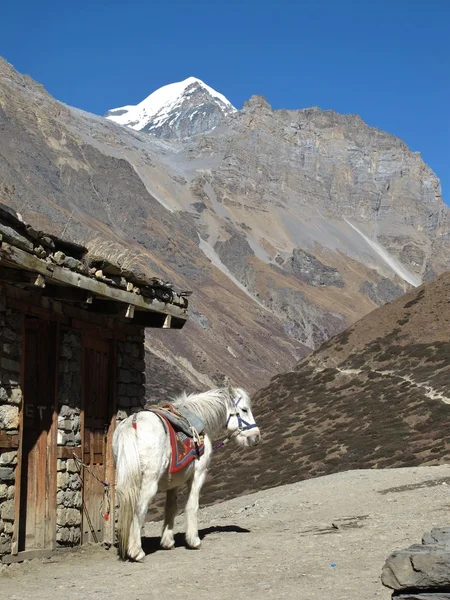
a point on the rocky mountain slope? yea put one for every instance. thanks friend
(287, 225)
(375, 396)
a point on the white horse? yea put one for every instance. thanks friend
(142, 454)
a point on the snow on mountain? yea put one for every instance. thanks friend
(177, 110)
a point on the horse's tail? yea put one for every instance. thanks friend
(128, 481)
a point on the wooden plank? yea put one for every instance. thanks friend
(16, 257)
(18, 480)
(69, 294)
(9, 441)
(26, 302)
(52, 440)
(21, 276)
(68, 451)
(109, 470)
(37, 506)
(32, 307)
(26, 555)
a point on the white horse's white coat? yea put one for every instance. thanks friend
(142, 457)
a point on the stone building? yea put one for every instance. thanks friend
(71, 364)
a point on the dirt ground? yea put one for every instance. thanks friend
(322, 539)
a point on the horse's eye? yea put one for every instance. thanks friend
(244, 410)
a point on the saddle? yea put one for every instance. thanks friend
(180, 418)
(184, 429)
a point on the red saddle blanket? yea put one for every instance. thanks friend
(184, 449)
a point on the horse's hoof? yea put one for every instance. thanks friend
(168, 545)
(194, 544)
(140, 557)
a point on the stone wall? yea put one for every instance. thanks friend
(130, 375)
(130, 397)
(10, 399)
(69, 495)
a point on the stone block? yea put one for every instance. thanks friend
(66, 351)
(10, 379)
(7, 510)
(124, 376)
(66, 439)
(67, 517)
(71, 466)
(5, 544)
(15, 395)
(61, 464)
(10, 365)
(7, 474)
(8, 527)
(9, 417)
(10, 335)
(8, 458)
(75, 535)
(11, 492)
(75, 482)
(62, 534)
(124, 401)
(62, 480)
(68, 411)
(74, 367)
(3, 491)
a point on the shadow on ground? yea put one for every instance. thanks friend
(151, 544)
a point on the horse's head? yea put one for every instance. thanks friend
(240, 421)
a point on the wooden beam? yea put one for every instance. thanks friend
(18, 258)
(26, 555)
(68, 451)
(69, 294)
(22, 277)
(8, 441)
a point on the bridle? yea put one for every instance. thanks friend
(243, 425)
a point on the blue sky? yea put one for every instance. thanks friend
(388, 61)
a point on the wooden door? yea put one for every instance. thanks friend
(37, 507)
(97, 408)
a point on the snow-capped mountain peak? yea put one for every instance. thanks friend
(177, 110)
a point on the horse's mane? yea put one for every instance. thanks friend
(211, 406)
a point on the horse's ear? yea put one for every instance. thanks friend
(230, 389)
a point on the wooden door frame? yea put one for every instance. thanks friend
(50, 526)
(87, 332)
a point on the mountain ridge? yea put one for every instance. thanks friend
(249, 215)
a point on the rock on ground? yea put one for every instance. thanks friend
(315, 540)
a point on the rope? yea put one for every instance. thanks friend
(106, 486)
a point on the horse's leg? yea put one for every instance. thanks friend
(194, 486)
(167, 540)
(149, 488)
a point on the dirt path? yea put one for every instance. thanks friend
(314, 540)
